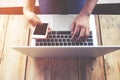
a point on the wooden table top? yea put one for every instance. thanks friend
(16, 66)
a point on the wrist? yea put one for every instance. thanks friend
(28, 13)
(84, 13)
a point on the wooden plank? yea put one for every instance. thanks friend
(13, 63)
(52, 69)
(92, 68)
(39, 69)
(16, 10)
(3, 28)
(65, 69)
(98, 29)
(110, 27)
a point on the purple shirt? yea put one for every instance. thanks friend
(61, 6)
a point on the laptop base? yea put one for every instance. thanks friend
(62, 51)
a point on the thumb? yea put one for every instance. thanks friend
(36, 21)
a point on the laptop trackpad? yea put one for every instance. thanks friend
(62, 22)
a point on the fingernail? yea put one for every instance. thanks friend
(72, 33)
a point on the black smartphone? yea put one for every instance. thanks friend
(40, 31)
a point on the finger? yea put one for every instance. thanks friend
(33, 23)
(49, 29)
(72, 28)
(37, 21)
(81, 35)
(76, 33)
(32, 28)
(87, 32)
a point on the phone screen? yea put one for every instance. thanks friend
(41, 29)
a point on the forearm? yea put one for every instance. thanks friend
(28, 6)
(88, 7)
(28, 11)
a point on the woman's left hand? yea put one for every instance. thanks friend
(80, 28)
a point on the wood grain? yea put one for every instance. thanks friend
(52, 69)
(91, 69)
(39, 69)
(3, 28)
(98, 31)
(13, 63)
(65, 69)
(110, 28)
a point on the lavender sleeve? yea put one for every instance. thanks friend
(61, 6)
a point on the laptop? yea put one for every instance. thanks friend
(59, 44)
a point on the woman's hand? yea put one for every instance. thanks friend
(80, 28)
(32, 18)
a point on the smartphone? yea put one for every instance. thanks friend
(40, 31)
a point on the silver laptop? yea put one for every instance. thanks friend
(59, 44)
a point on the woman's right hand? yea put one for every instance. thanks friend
(32, 18)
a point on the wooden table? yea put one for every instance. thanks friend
(16, 66)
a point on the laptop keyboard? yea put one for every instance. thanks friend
(62, 38)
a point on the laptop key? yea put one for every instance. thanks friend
(69, 44)
(58, 36)
(41, 44)
(45, 44)
(89, 40)
(73, 44)
(38, 40)
(52, 40)
(90, 44)
(77, 44)
(68, 40)
(57, 44)
(56, 40)
(81, 43)
(54, 36)
(53, 32)
(90, 36)
(63, 32)
(66, 36)
(49, 44)
(61, 44)
(69, 36)
(65, 44)
(64, 40)
(44, 40)
(48, 40)
(85, 43)
(50, 36)
(53, 44)
(62, 36)
(37, 44)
